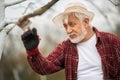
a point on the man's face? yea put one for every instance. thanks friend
(75, 29)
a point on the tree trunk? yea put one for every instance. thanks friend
(16, 74)
(43, 77)
(2, 41)
(2, 13)
(2, 22)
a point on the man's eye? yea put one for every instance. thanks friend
(72, 24)
(64, 25)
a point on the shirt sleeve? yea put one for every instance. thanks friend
(47, 65)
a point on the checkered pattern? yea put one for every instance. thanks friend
(65, 56)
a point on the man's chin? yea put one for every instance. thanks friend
(75, 40)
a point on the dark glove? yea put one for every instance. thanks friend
(30, 39)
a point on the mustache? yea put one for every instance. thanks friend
(70, 34)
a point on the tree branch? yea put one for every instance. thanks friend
(14, 3)
(5, 24)
(116, 4)
(36, 12)
(101, 12)
(22, 21)
(29, 5)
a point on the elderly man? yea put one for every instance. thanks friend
(87, 54)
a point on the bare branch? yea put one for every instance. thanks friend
(101, 12)
(14, 3)
(27, 7)
(22, 21)
(36, 12)
(6, 23)
(116, 4)
(112, 2)
(3, 26)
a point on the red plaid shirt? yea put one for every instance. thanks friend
(65, 56)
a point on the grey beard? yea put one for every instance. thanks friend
(80, 38)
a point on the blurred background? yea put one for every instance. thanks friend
(13, 61)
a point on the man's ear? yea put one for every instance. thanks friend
(86, 21)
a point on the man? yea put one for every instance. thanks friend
(87, 54)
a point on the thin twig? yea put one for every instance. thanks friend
(116, 4)
(11, 28)
(14, 3)
(27, 8)
(3, 27)
(38, 11)
(101, 12)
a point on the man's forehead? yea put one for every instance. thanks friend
(72, 18)
(69, 18)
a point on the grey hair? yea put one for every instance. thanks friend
(80, 16)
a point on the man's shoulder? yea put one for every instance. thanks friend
(109, 37)
(103, 34)
(108, 34)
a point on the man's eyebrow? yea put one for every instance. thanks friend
(71, 22)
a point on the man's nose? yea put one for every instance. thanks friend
(69, 29)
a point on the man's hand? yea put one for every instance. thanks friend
(30, 39)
